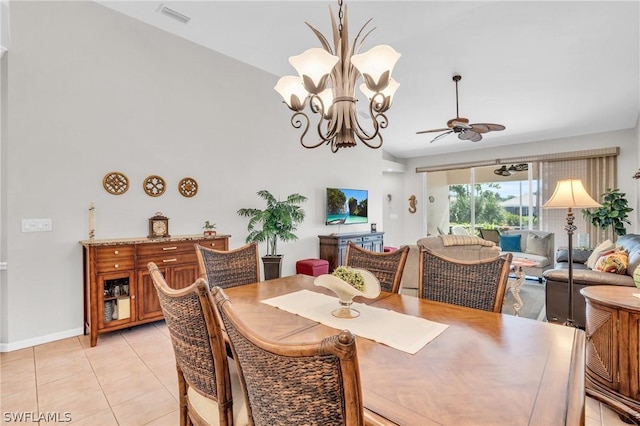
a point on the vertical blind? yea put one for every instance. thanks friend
(597, 175)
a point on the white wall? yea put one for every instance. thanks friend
(628, 163)
(91, 91)
(394, 203)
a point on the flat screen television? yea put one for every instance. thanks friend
(346, 206)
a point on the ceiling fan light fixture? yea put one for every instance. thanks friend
(461, 126)
(501, 171)
(511, 170)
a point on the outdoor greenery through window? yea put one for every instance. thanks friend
(479, 198)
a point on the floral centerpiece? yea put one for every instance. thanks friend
(351, 276)
(348, 283)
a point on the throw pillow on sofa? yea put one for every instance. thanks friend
(538, 244)
(616, 262)
(510, 242)
(636, 276)
(597, 252)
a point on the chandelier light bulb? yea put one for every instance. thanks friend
(314, 66)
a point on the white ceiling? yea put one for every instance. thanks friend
(543, 69)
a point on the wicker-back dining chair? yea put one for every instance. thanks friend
(293, 384)
(229, 268)
(386, 267)
(479, 284)
(206, 387)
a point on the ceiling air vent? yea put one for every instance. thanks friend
(174, 14)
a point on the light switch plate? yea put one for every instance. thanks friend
(37, 225)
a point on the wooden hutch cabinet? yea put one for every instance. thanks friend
(334, 247)
(118, 291)
(613, 348)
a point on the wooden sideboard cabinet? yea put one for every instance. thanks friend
(118, 291)
(613, 348)
(334, 247)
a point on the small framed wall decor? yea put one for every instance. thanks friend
(115, 183)
(154, 186)
(188, 187)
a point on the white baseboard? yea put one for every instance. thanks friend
(8, 347)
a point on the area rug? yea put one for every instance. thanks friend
(532, 294)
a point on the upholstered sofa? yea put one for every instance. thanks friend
(455, 246)
(557, 297)
(536, 246)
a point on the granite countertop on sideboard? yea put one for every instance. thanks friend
(147, 240)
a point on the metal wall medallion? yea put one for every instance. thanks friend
(154, 186)
(115, 183)
(188, 187)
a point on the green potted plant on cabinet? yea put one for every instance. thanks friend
(613, 213)
(279, 221)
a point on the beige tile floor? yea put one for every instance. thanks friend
(129, 378)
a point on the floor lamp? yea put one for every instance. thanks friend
(570, 194)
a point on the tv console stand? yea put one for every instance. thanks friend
(333, 247)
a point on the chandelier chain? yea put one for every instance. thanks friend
(340, 16)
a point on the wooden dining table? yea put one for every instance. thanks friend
(485, 369)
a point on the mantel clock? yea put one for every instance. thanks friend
(158, 226)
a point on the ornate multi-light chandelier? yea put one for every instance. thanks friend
(327, 81)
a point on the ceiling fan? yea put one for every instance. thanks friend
(504, 171)
(461, 126)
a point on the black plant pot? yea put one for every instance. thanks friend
(272, 266)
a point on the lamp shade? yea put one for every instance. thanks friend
(292, 91)
(314, 66)
(570, 193)
(326, 96)
(388, 91)
(376, 66)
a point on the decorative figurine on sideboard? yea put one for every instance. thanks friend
(209, 229)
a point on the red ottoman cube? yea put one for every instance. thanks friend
(313, 267)
(388, 249)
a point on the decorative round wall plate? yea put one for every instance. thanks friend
(115, 183)
(188, 187)
(154, 186)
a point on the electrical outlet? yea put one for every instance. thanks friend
(37, 225)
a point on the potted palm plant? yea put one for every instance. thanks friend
(612, 214)
(279, 221)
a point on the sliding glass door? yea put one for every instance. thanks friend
(489, 197)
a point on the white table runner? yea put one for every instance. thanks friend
(400, 331)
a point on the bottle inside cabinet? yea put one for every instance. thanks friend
(117, 302)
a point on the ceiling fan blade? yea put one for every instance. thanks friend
(441, 136)
(431, 131)
(470, 135)
(486, 127)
